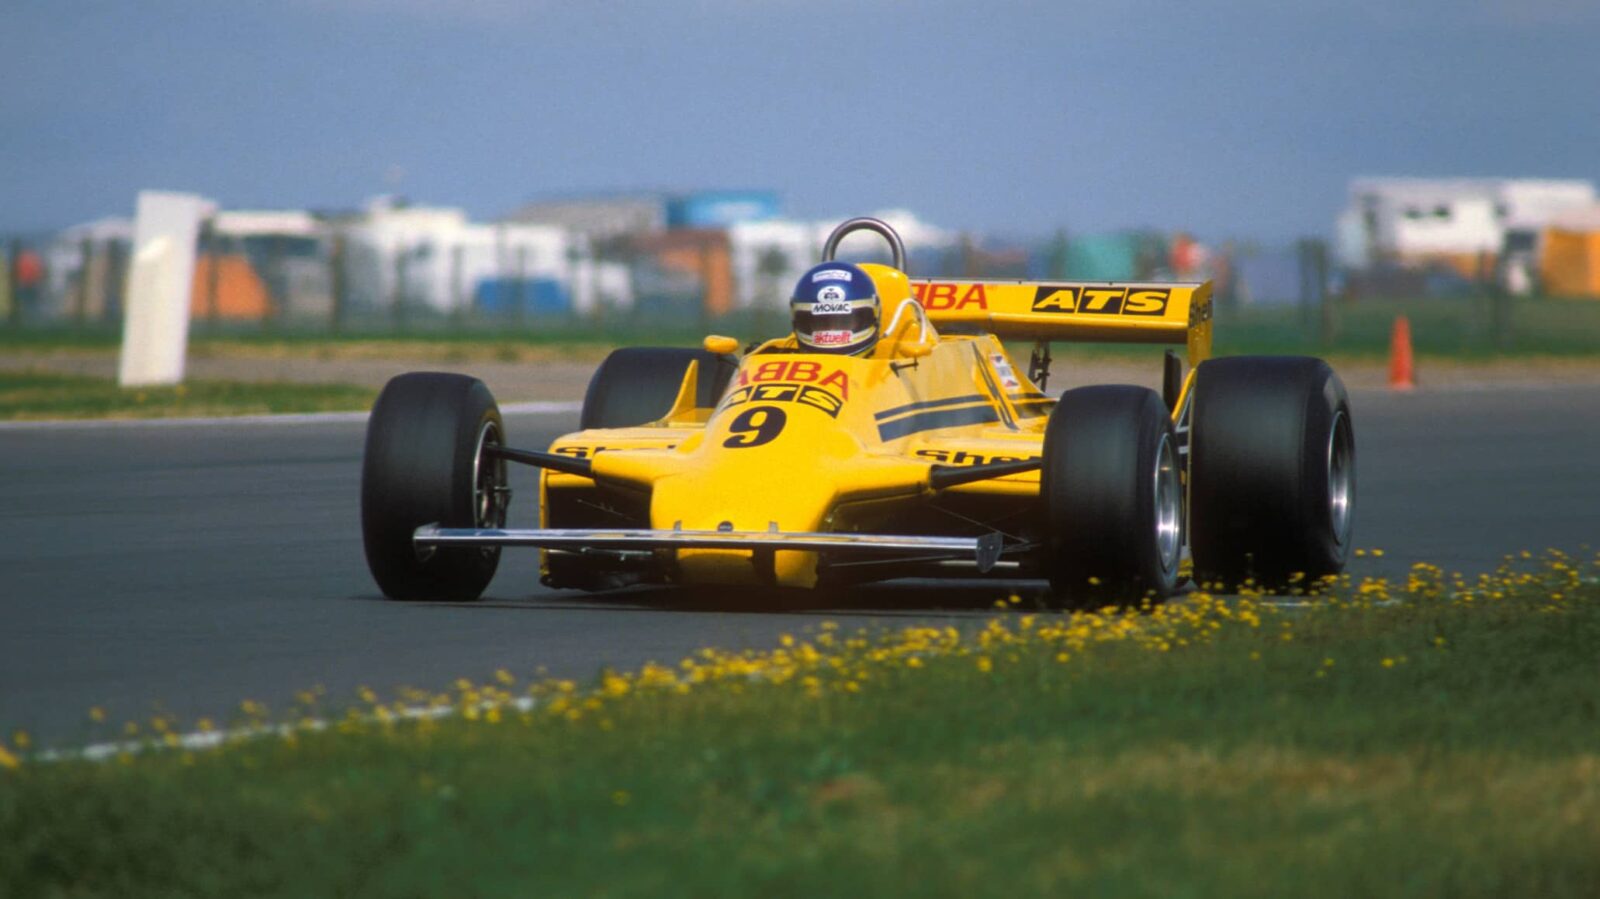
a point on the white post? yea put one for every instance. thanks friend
(155, 328)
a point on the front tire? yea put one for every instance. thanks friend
(425, 464)
(1113, 497)
(1273, 466)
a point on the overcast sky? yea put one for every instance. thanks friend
(1239, 119)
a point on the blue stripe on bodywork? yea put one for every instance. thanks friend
(928, 421)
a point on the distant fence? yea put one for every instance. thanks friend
(50, 280)
(342, 278)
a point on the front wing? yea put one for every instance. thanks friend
(984, 550)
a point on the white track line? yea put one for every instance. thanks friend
(537, 407)
(542, 407)
(216, 739)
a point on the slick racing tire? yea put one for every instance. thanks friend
(1273, 472)
(424, 464)
(636, 385)
(1113, 497)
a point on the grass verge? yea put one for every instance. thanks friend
(437, 342)
(1430, 738)
(32, 395)
(1461, 328)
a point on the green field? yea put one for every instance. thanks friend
(1432, 738)
(1463, 327)
(32, 395)
(444, 340)
(1466, 328)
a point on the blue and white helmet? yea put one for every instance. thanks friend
(835, 309)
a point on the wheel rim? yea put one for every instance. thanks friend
(1341, 477)
(489, 490)
(1169, 506)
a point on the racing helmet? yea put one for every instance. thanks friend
(835, 309)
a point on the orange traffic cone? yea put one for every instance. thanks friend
(1401, 376)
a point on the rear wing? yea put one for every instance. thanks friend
(1080, 311)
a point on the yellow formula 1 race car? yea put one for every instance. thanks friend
(933, 455)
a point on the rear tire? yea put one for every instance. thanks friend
(637, 385)
(1273, 471)
(424, 465)
(1113, 497)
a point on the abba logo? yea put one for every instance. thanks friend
(801, 371)
(936, 297)
(1101, 300)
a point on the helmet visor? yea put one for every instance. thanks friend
(806, 322)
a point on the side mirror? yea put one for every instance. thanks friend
(716, 343)
(915, 350)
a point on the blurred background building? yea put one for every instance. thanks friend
(700, 255)
(1429, 236)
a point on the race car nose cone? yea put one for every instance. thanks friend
(728, 500)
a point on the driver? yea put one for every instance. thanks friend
(835, 309)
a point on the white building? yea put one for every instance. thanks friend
(243, 223)
(435, 258)
(769, 256)
(598, 217)
(1412, 219)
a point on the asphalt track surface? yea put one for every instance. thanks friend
(186, 567)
